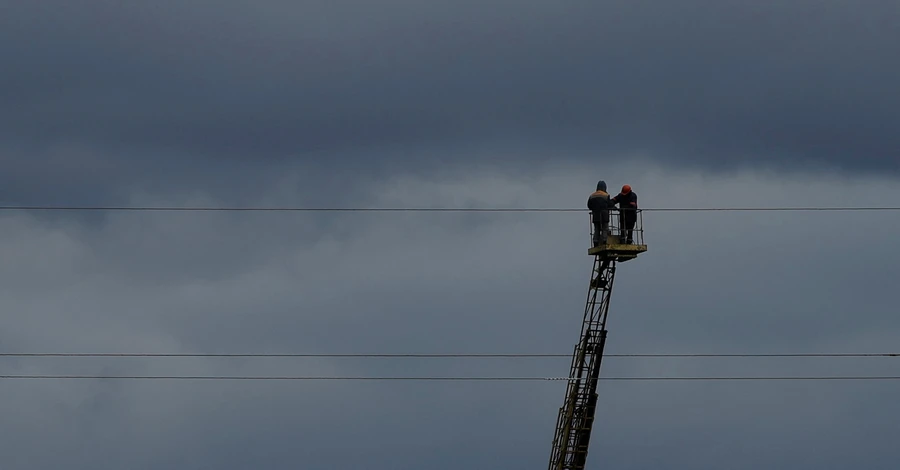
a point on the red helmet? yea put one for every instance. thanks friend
(626, 189)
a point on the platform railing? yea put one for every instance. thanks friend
(615, 227)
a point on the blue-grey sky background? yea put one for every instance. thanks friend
(445, 104)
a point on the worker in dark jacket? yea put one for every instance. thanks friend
(627, 201)
(599, 203)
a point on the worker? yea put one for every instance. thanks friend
(627, 201)
(599, 203)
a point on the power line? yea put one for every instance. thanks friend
(421, 209)
(427, 355)
(447, 379)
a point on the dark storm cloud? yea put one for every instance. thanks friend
(192, 91)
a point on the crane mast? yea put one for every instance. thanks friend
(576, 417)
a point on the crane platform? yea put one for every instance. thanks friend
(613, 249)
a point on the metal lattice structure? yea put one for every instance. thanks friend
(576, 417)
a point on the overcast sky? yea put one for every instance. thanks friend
(491, 103)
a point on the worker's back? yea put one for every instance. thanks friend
(599, 203)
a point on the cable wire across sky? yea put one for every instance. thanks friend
(423, 209)
(434, 355)
(431, 378)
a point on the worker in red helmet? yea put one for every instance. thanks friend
(627, 201)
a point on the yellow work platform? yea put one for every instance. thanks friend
(618, 251)
(614, 249)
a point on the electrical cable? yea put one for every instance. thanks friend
(426, 378)
(423, 209)
(427, 355)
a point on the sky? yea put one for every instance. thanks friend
(493, 103)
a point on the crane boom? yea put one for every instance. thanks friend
(576, 417)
